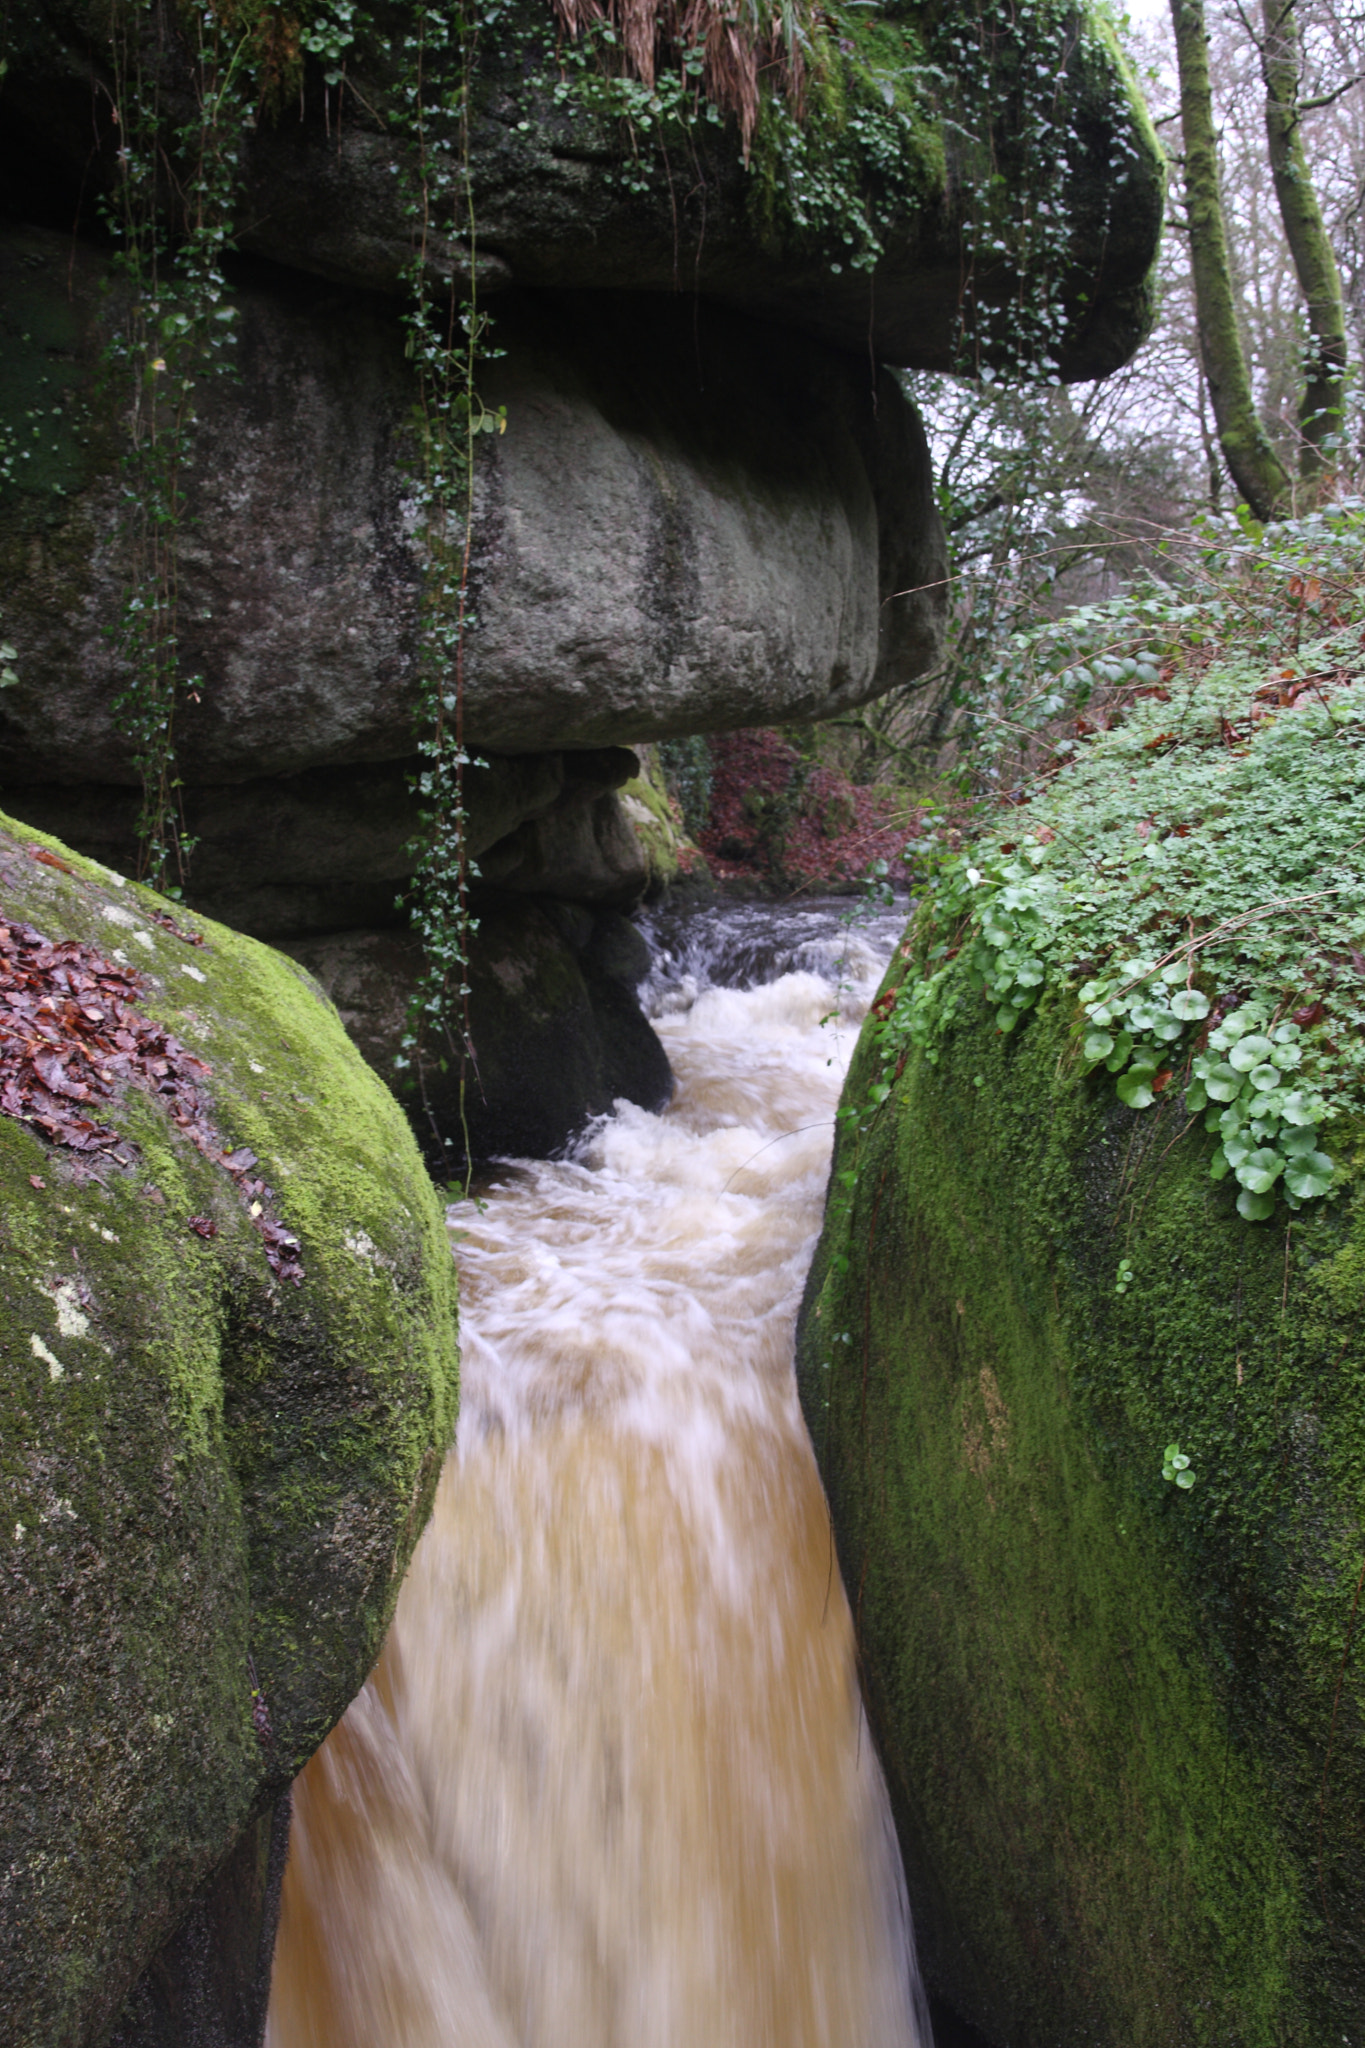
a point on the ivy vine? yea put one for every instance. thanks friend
(175, 334)
(171, 214)
(447, 337)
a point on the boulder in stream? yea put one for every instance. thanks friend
(227, 1325)
(1083, 1359)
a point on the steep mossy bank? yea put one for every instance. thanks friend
(1121, 1717)
(212, 1476)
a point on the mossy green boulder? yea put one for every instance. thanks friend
(1122, 1714)
(212, 1477)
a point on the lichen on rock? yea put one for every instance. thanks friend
(212, 1478)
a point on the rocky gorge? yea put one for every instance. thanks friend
(710, 506)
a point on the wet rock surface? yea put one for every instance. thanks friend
(213, 1463)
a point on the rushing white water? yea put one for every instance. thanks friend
(609, 1786)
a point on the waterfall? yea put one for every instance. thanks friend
(610, 1785)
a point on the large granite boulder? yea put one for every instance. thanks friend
(557, 1034)
(1087, 1386)
(898, 141)
(692, 522)
(228, 1329)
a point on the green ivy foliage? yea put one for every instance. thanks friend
(1193, 883)
(986, 110)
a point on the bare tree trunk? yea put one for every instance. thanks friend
(1320, 407)
(1255, 468)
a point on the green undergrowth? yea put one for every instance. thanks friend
(1083, 1352)
(1193, 884)
(1121, 1718)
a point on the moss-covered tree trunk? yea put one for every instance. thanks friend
(1314, 263)
(1256, 469)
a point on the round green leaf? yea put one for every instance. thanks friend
(1185, 1479)
(1098, 1045)
(1168, 1471)
(1134, 1090)
(1249, 1052)
(1171, 1453)
(1123, 1046)
(1260, 1170)
(1180, 1461)
(1309, 1176)
(1237, 1147)
(1287, 1057)
(1146, 1015)
(1298, 1108)
(1265, 1077)
(1255, 1208)
(1167, 1028)
(1295, 1143)
(1189, 1004)
(1196, 1095)
(1219, 1165)
(1223, 1082)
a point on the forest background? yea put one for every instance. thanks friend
(1097, 531)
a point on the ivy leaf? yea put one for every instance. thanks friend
(1189, 1004)
(1309, 1176)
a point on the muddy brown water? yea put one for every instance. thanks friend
(610, 1785)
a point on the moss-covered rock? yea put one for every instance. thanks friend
(207, 1472)
(656, 821)
(1122, 1720)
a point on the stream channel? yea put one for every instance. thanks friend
(610, 1785)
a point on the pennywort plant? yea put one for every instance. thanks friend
(1191, 889)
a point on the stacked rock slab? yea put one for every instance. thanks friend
(711, 507)
(212, 1472)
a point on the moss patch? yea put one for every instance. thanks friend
(1123, 1723)
(200, 1466)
